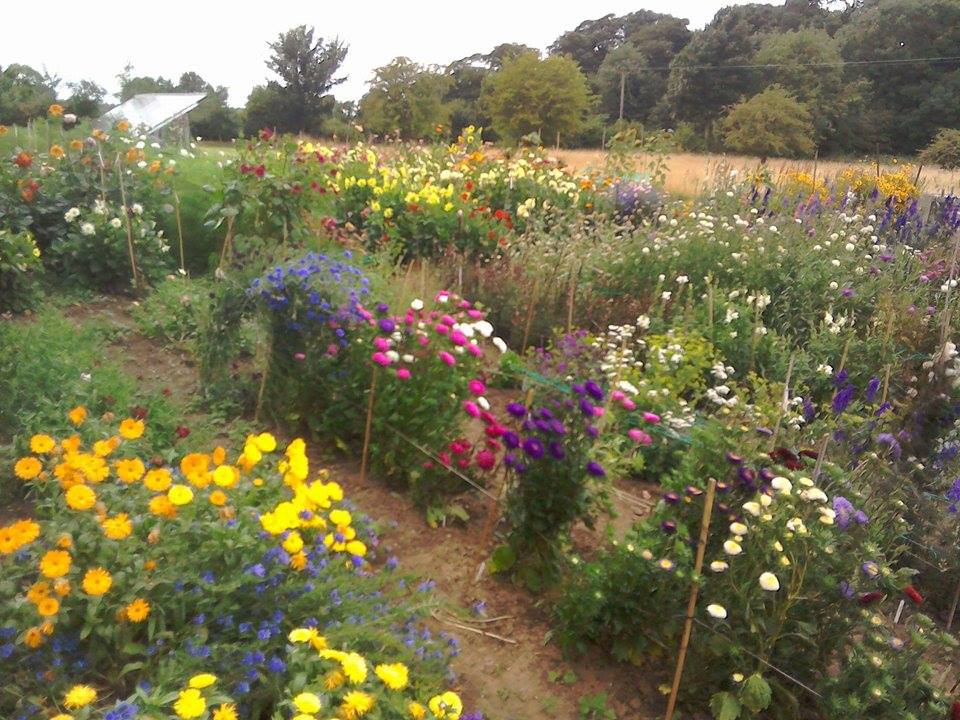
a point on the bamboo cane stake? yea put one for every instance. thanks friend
(129, 227)
(176, 208)
(368, 426)
(692, 603)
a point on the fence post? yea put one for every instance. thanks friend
(694, 592)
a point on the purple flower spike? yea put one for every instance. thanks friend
(596, 469)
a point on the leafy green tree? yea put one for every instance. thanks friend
(944, 150)
(529, 94)
(772, 122)
(306, 68)
(621, 64)
(25, 94)
(213, 119)
(405, 98)
(131, 85)
(86, 99)
(912, 100)
(266, 108)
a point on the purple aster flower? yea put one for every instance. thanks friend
(595, 469)
(558, 427)
(578, 389)
(533, 447)
(860, 517)
(891, 442)
(592, 430)
(586, 407)
(516, 409)
(844, 510)
(809, 412)
(872, 386)
(556, 450)
(593, 390)
(953, 495)
(845, 589)
(840, 378)
(671, 498)
(511, 439)
(668, 526)
(733, 458)
(386, 325)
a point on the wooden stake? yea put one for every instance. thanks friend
(129, 227)
(694, 592)
(571, 293)
(530, 307)
(176, 208)
(368, 426)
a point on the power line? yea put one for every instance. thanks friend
(842, 63)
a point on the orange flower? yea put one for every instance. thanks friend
(57, 152)
(27, 468)
(137, 611)
(131, 429)
(150, 565)
(23, 159)
(97, 581)
(157, 479)
(161, 506)
(76, 144)
(55, 110)
(61, 587)
(3, 130)
(133, 155)
(130, 470)
(122, 125)
(38, 591)
(219, 455)
(77, 415)
(65, 542)
(118, 527)
(218, 498)
(55, 563)
(33, 638)
(72, 443)
(48, 606)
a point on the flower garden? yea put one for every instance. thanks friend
(514, 352)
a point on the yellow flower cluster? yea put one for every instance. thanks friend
(804, 183)
(896, 185)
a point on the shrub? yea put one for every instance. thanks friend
(173, 311)
(943, 150)
(20, 268)
(772, 122)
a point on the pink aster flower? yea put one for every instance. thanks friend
(448, 358)
(403, 374)
(381, 343)
(476, 387)
(639, 436)
(598, 411)
(441, 328)
(458, 338)
(299, 357)
(617, 395)
(474, 350)
(380, 359)
(485, 459)
(423, 340)
(471, 408)
(475, 314)
(628, 404)
(651, 417)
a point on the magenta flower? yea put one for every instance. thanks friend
(447, 358)
(639, 436)
(299, 357)
(628, 404)
(471, 408)
(442, 329)
(651, 417)
(458, 338)
(423, 340)
(476, 387)
(381, 343)
(403, 374)
(486, 459)
(474, 350)
(380, 359)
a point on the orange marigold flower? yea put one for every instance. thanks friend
(38, 591)
(65, 542)
(131, 429)
(76, 144)
(33, 638)
(3, 130)
(23, 159)
(61, 587)
(81, 497)
(161, 506)
(102, 448)
(137, 611)
(42, 444)
(77, 415)
(118, 527)
(158, 479)
(150, 565)
(48, 606)
(57, 152)
(55, 110)
(218, 498)
(97, 581)
(72, 443)
(27, 468)
(130, 470)
(122, 125)
(55, 563)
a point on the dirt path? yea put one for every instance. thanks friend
(522, 676)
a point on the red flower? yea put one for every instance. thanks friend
(869, 598)
(469, 185)
(955, 711)
(138, 413)
(259, 171)
(911, 592)
(486, 459)
(167, 392)
(266, 133)
(23, 160)
(182, 431)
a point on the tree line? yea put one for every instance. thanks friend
(848, 77)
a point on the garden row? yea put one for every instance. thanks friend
(784, 341)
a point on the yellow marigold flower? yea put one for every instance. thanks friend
(131, 429)
(218, 498)
(394, 675)
(355, 547)
(333, 679)
(158, 479)
(76, 144)
(150, 565)
(57, 152)
(62, 716)
(303, 716)
(117, 527)
(55, 110)
(102, 448)
(294, 543)
(265, 442)
(122, 125)
(71, 444)
(13, 537)
(190, 704)
(227, 711)
(62, 587)
(180, 495)
(417, 711)
(354, 667)
(65, 541)
(130, 470)
(81, 497)
(446, 706)
(226, 476)
(55, 563)
(79, 696)
(33, 638)
(48, 606)
(42, 444)
(3, 130)
(96, 581)
(219, 455)
(356, 704)
(307, 702)
(27, 468)
(202, 680)
(161, 506)
(77, 415)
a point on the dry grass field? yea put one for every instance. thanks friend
(689, 173)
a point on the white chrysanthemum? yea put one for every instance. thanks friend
(500, 344)
(484, 328)
(738, 528)
(719, 566)
(732, 548)
(717, 611)
(769, 582)
(416, 304)
(88, 229)
(752, 507)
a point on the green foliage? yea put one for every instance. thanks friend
(24, 94)
(943, 150)
(174, 310)
(20, 268)
(86, 99)
(772, 122)
(407, 100)
(532, 95)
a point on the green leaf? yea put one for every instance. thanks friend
(724, 706)
(503, 558)
(756, 693)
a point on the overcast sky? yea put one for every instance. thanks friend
(227, 42)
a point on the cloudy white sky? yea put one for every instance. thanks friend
(227, 42)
